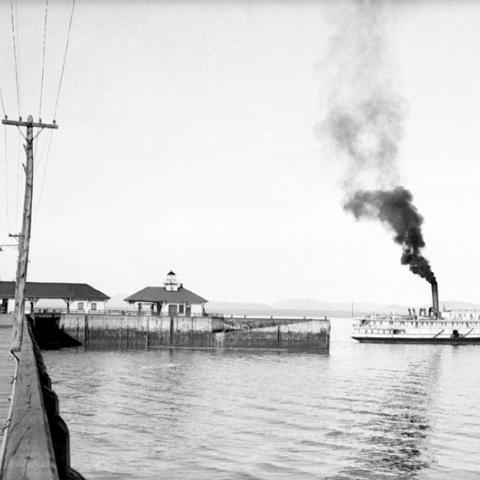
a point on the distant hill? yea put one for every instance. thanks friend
(453, 305)
(307, 304)
(234, 306)
(318, 308)
(303, 307)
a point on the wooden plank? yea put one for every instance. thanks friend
(29, 452)
(7, 366)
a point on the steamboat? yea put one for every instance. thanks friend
(430, 325)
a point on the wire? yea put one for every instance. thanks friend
(3, 105)
(45, 165)
(21, 133)
(37, 134)
(38, 157)
(64, 58)
(18, 184)
(43, 58)
(19, 56)
(15, 52)
(7, 209)
(6, 181)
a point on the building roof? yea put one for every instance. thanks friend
(161, 294)
(66, 291)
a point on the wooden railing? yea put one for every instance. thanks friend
(29, 449)
(119, 311)
(37, 441)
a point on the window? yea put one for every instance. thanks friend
(80, 305)
(181, 309)
(93, 306)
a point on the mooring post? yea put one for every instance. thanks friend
(85, 332)
(148, 332)
(32, 312)
(170, 340)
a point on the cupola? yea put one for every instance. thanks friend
(171, 283)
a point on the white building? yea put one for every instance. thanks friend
(79, 297)
(172, 299)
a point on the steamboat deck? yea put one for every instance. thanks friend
(452, 327)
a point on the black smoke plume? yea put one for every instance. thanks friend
(395, 209)
(365, 123)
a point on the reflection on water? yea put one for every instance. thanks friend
(395, 441)
(362, 412)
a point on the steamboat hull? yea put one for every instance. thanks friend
(454, 328)
(417, 340)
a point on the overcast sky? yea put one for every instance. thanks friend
(187, 142)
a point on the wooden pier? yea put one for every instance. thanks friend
(7, 367)
(36, 445)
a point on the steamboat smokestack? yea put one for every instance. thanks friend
(435, 304)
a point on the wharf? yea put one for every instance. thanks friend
(7, 367)
(101, 330)
(36, 445)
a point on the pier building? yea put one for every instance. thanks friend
(79, 297)
(173, 299)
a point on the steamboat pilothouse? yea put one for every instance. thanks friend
(428, 326)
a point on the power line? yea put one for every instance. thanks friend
(15, 52)
(3, 105)
(48, 143)
(64, 58)
(19, 56)
(40, 149)
(17, 218)
(43, 58)
(6, 179)
(38, 159)
(6, 165)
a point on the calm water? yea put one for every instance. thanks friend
(361, 412)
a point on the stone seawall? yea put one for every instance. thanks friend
(145, 331)
(140, 331)
(301, 335)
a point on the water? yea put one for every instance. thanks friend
(364, 411)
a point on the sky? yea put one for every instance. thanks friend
(189, 140)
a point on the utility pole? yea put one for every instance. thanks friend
(24, 237)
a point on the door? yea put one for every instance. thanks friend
(172, 310)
